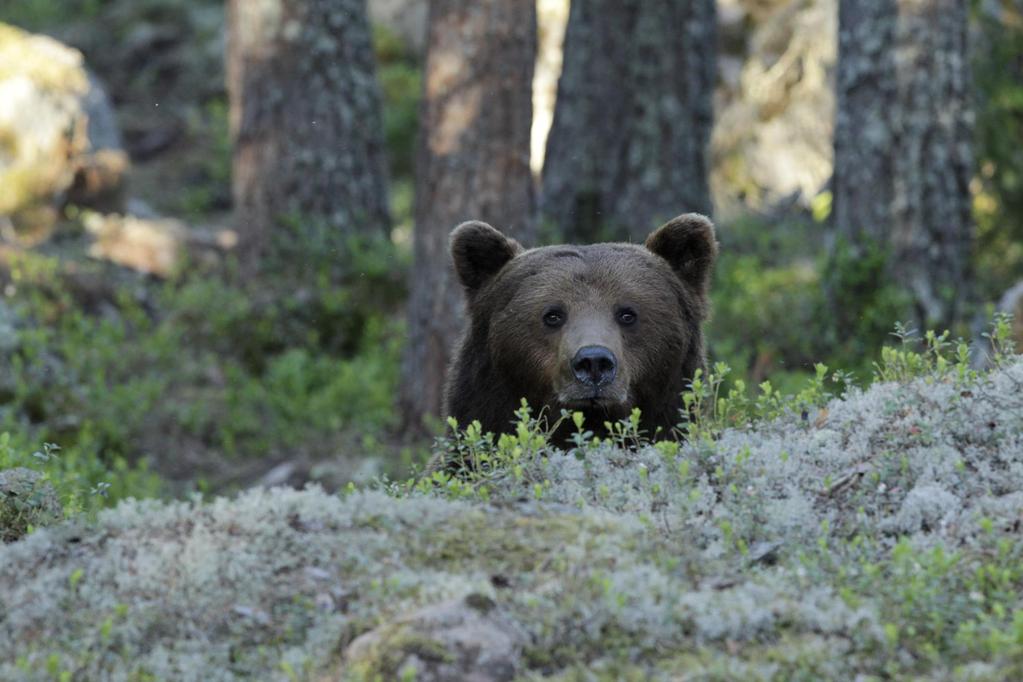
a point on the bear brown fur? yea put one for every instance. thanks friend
(599, 329)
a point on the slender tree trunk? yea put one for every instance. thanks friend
(903, 157)
(473, 163)
(628, 146)
(309, 159)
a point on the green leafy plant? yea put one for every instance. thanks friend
(468, 461)
(202, 363)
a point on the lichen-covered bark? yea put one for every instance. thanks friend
(628, 146)
(903, 156)
(864, 133)
(473, 164)
(933, 231)
(306, 121)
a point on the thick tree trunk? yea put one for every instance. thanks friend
(306, 124)
(903, 158)
(867, 89)
(473, 164)
(628, 146)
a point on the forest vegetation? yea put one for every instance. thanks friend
(227, 309)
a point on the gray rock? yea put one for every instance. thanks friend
(103, 130)
(26, 499)
(464, 639)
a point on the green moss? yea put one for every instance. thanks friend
(517, 544)
(48, 64)
(23, 185)
(396, 644)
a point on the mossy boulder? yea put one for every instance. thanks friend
(58, 139)
(461, 639)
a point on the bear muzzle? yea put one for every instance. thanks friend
(595, 366)
(594, 378)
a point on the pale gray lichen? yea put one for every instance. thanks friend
(827, 548)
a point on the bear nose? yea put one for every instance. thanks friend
(594, 365)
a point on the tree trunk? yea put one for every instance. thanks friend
(867, 88)
(903, 159)
(309, 160)
(473, 163)
(628, 146)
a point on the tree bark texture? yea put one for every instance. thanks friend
(903, 153)
(473, 163)
(306, 123)
(628, 146)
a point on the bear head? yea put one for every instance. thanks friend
(600, 329)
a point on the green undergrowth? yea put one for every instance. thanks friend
(399, 73)
(180, 379)
(844, 532)
(39, 14)
(83, 479)
(998, 185)
(771, 317)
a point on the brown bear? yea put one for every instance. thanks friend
(599, 329)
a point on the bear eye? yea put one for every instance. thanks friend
(554, 317)
(626, 317)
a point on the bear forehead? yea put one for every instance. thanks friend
(627, 259)
(615, 269)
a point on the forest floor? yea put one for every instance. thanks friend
(872, 537)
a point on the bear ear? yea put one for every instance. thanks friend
(479, 252)
(687, 243)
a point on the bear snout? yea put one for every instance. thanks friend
(595, 366)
